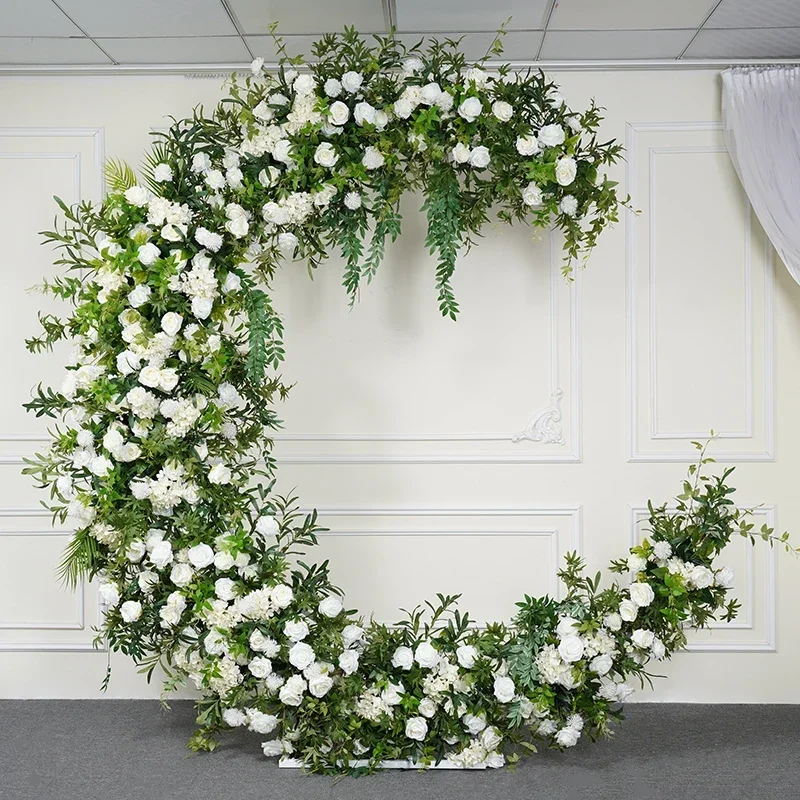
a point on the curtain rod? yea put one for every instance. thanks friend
(213, 70)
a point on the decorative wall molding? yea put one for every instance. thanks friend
(97, 136)
(638, 514)
(573, 512)
(635, 454)
(46, 646)
(547, 419)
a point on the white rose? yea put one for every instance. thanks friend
(491, 739)
(724, 578)
(136, 551)
(470, 109)
(461, 153)
(403, 658)
(570, 648)
(304, 84)
(348, 661)
(566, 170)
(201, 307)
(272, 748)
(658, 649)
(325, 155)
(287, 243)
(171, 323)
(291, 693)
(139, 295)
(412, 65)
(568, 737)
(527, 145)
(232, 283)
(601, 664)
(296, 630)
(551, 136)
(148, 254)
(628, 610)
(338, 113)
(532, 195)
(320, 685)
(161, 554)
(259, 722)
(373, 158)
(466, 656)
(479, 157)
(567, 626)
(381, 119)
(225, 589)
(330, 606)
(351, 634)
(219, 474)
(427, 707)
(417, 728)
(282, 596)
(474, 723)
(200, 556)
(268, 528)
(301, 655)
(504, 688)
(426, 655)
(137, 196)
(613, 622)
(351, 81)
(642, 594)
(364, 113)
(223, 560)
(109, 595)
(502, 110)
(430, 93)
(100, 466)
(642, 638)
(701, 577)
(181, 574)
(333, 88)
(131, 610)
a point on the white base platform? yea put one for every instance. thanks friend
(294, 763)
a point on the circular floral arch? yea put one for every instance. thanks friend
(165, 415)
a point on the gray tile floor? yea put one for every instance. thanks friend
(121, 750)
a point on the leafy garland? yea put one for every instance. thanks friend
(164, 417)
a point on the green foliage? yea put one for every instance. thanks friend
(119, 175)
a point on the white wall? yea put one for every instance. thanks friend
(402, 426)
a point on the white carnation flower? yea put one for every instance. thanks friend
(162, 173)
(372, 158)
(333, 88)
(352, 201)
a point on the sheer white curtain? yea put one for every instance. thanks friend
(761, 118)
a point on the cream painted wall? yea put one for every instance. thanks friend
(414, 436)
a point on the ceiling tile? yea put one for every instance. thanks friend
(613, 15)
(755, 14)
(150, 17)
(469, 15)
(308, 16)
(34, 18)
(753, 43)
(519, 45)
(613, 45)
(188, 50)
(27, 50)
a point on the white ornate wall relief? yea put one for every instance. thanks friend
(700, 301)
(507, 391)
